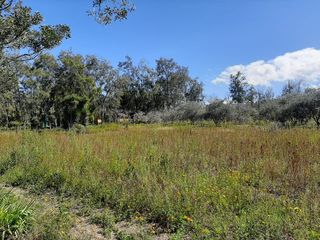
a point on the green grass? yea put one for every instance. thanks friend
(15, 216)
(211, 183)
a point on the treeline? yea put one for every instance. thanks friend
(70, 89)
(246, 104)
(42, 91)
(60, 92)
(287, 111)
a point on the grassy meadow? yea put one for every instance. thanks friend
(195, 182)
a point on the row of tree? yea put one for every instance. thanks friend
(39, 90)
(60, 92)
(69, 89)
(245, 104)
(295, 106)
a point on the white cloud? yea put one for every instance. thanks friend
(301, 65)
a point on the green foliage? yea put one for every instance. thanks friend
(73, 89)
(293, 109)
(108, 11)
(238, 87)
(22, 35)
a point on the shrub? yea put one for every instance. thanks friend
(191, 111)
(78, 128)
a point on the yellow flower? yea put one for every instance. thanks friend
(139, 218)
(296, 209)
(188, 219)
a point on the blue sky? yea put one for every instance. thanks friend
(208, 36)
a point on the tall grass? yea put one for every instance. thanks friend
(214, 183)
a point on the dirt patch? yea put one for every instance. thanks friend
(83, 230)
(82, 227)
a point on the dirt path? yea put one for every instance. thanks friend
(82, 227)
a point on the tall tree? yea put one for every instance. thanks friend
(38, 83)
(74, 91)
(174, 85)
(292, 87)
(9, 85)
(194, 91)
(22, 38)
(138, 91)
(238, 87)
(110, 87)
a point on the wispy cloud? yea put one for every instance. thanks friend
(301, 65)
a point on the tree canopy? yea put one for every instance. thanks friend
(22, 36)
(69, 89)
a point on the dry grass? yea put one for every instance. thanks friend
(213, 183)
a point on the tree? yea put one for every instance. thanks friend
(139, 85)
(238, 87)
(74, 91)
(313, 104)
(22, 37)
(194, 91)
(264, 95)
(269, 110)
(38, 82)
(241, 91)
(296, 111)
(110, 88)
(174, 86)
(251, 95)
(59, 92)
(108, 11)
(292, 87)
(9, 85)
(11, 97)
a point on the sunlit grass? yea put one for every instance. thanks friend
(15, 216)
(219, 183)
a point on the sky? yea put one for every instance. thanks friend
(271, 41)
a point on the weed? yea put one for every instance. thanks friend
(15, 216)
(235, 182)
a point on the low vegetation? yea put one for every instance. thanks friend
(235, 182)
(15, 216)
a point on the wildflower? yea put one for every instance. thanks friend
(188, 219)
(139, 218)
(297, 209)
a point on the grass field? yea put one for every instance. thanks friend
(236, 182)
